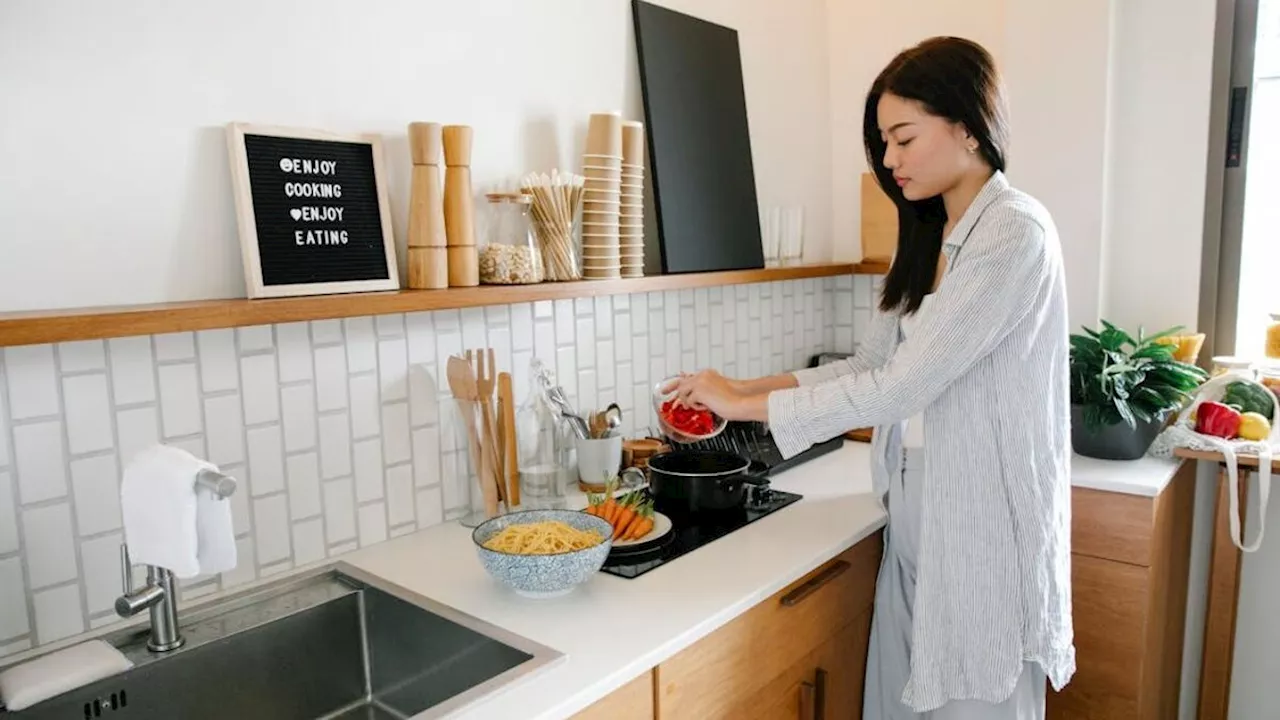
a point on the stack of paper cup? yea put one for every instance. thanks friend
(631, 216)
(602, 168)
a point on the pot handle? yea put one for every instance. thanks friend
(757, 479)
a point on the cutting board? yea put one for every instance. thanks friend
(879, 222)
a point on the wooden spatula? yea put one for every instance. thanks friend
(486, 383)
(507, 421)
(462, 383)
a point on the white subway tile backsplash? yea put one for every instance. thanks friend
(261, 393)
(14, 620)
(139, 428)
(42, 473)
(365, 406)
(172, 347)
(400, 499)
(339, 510)
(326, 332)
(180, 411)
(219, 369)
(271, 522)
(224, 429)
(304, 486)
(299, 410)
(58, 613)
(33, 385)
(335, 446)
(101, 557)
(8, 514)
(393, 369)
(88, 413)
(430, 507)
(132, 371)
(331, 378)
(266, 460)
(83, 356)
(255, 338)
(294, 340)
(362, 351)
(373, 524)
(390, 326)
(278, 407)
(95, 483)
(308, 542)
(50, 544)
(368, 467)
(396, 446)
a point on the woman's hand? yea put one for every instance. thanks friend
(721, 395)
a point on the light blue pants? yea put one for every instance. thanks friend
(889, 652)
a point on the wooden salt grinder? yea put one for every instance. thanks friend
(464, 266)
(428, 258)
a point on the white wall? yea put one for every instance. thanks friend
(863, 37)
(114, 186)
(1159, 135)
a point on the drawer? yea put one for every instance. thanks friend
(1112, 526)
(710, 678)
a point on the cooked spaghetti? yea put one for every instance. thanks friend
(548, 537)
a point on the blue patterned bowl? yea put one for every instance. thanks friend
(543, 576)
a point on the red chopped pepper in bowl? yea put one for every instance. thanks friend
(683, 423)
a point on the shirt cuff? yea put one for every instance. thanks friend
(813, 376)
(785, 425)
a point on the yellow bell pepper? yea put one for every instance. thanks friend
(1253, 426)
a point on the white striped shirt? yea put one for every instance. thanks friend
(987, 365)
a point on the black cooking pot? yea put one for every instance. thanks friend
(696, 480)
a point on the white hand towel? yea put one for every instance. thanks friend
(26, 684)
(215, 536)
(158, 505)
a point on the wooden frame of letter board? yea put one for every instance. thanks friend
(247, 222)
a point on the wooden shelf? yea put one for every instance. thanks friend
(31, 328)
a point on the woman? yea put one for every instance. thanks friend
(964, 376)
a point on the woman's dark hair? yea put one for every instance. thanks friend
(955, 79)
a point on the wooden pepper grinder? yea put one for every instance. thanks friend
(428, 258)
(464, 262)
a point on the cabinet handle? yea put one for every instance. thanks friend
(820, 695)
(810, 586)
(808, 706)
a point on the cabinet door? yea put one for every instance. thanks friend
(824, 685)
(633, 701)
(721, 675)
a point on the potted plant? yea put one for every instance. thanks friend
(1123, 390)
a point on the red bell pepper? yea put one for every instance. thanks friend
(1214, 418)
(687, 419)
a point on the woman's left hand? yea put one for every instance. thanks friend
(713, 391)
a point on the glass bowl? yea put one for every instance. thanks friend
(679, 436)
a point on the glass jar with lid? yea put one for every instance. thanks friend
(510, 254)
(1272, 348)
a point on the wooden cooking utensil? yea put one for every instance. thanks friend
(462, 383)
(507, 420)
(486, 382)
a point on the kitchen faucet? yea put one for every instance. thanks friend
(160, 593)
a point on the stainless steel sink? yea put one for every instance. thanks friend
(333, 644)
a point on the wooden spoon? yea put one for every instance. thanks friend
(462, 383)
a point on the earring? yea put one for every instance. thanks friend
(973, 149)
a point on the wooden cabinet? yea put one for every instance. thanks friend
(800, 654)
(633, 701)
(1129, 566)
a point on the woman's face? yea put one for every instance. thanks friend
(927, 154)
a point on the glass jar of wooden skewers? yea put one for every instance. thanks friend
(556, 198)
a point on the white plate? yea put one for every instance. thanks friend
(661, 526)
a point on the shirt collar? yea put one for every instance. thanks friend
(996, 184)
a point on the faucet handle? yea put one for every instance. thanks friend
(126, 569)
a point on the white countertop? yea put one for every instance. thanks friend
(612, 629)
(1146, 476)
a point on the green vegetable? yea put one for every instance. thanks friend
(1250, 398)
